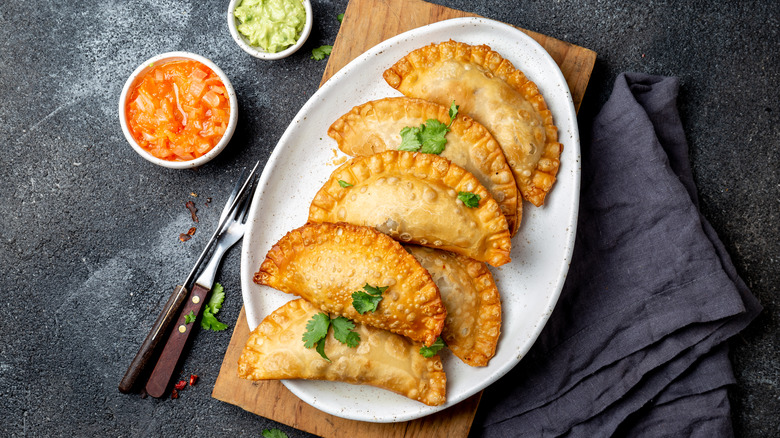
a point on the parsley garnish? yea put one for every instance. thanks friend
(369, 300)
(317, 331)
(274, 433)
(437, 345)
(427, 138)
(319, 53)
(340, 18)
(344, 184)
(190, 317)
(209, 320)
(470, 200)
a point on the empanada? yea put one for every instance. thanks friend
(496, 94)
(275, 350)
(375, 127)
(326, 263)
(414, 198)
(472, 300)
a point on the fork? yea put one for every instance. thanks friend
(232, 231)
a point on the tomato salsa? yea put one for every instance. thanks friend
(178, 110)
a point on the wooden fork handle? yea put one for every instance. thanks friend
(145, 356)
(174, 346)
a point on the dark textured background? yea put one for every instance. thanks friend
(88, 230)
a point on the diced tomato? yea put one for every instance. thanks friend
(178, 111)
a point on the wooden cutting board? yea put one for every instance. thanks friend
(367, 23)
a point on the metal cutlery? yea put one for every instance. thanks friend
(233, 231)
(145, 356)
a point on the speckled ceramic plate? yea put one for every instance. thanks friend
(305, 157)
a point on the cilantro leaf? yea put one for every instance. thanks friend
(410, 139)
(340, 18)
(320, 347)
(374, 290)
(432, 137)
(344, 184)
(274, 433)
(470, 200)
(429, 137)
(210, 322)
(453, 112)
(217, 297)
(319, 53)
(343, 331)
(367, 301)
(190, 317)
(363, 302)
(316, 330)
(437, 345)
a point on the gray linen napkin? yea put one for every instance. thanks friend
(635, 346)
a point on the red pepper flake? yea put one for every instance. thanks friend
(185, 237)
(193, 194)
(193, 379)
(191, 207)
(174, 394)
(191, 231)
(180, 385)
(208, 201)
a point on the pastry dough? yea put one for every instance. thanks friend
(496, 94)
(325, 263)
(275, 350)
(414, 198)
(472, 300)
(375, 127)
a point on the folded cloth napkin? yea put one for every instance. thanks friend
(635, 346)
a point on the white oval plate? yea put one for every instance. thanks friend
(305, 157)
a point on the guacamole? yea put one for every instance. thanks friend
(272, 25)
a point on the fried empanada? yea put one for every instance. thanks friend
(472, 300)
(275, 350)
(414, 198)
(375, 127)
(326, 263)
(496, 94)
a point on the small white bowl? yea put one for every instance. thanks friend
(174, 56)
(258, 52)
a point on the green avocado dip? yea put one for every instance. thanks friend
(272, 25)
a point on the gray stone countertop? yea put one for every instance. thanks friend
(89, 247)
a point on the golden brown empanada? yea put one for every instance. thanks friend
(472, 300)
(414, 198)
(496, 94)
(325, 263)
(375, 127)
(275, 350)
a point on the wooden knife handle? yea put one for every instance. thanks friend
(181, 333)
(144, 358)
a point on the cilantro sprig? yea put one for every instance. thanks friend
(319, 53)
(437, 345)
(344, 184)
(209, 320)
(470, 200)
(317, 330)
(428, 138)
(274, 433)
(367, 301)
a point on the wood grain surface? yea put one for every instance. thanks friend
(367, 23)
